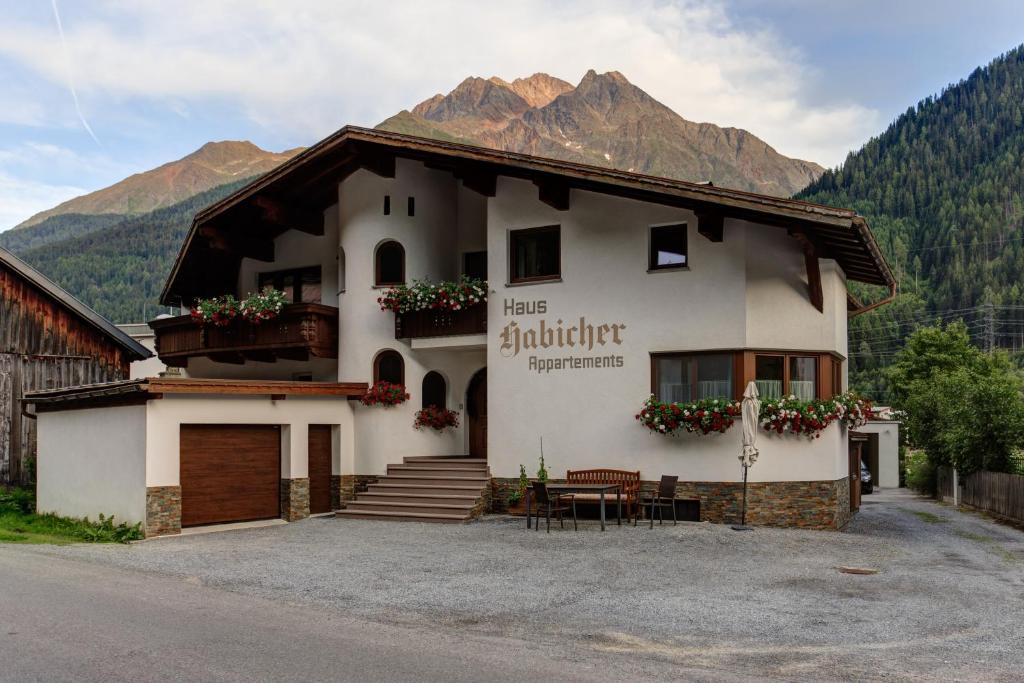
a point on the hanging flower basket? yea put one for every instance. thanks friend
(854, 410)
(385, 394)
(440, 296)
(705, 416)
(438, 419)
(218, 311)
(263, 306)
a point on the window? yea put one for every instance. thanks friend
(300, 285)
(691, 377)
(837, 376)
(412, 206)
(667, 247)
(435, 390)
(803, 377)
(387, 205)
(535, 254)
(474, 264)
(390, 264)
(769, 372)
(388, 366)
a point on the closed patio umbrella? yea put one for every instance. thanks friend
(751, 411)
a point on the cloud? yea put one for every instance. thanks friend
(21, 198)
(305, 69)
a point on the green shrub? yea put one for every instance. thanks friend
(18, 500)
(18, 522)
(920, 473)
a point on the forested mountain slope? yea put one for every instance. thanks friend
(943, 189)
(119, 270)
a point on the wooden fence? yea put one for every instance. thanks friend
(996, 492)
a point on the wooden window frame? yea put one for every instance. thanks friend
(512, 263)
(652, 257)
(377, 281)
(278, 278)
(744, 367)
(376, 365)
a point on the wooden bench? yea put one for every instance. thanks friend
(629, 483)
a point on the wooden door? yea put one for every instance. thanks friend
(229, 473)
(319, 469)
(855, 453)
(476, 407)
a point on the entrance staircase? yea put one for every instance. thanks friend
(439, 488)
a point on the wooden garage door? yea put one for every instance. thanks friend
(319, 469)
(230, 473)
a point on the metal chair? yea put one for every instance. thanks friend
(552, 504)
(665, 495)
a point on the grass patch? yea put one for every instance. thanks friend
(926, 516)
(19, 524)
(989, 542)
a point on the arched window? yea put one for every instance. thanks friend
(388, 366)
(389, 266)
(435, 390)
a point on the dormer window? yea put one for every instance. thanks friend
(389, 268)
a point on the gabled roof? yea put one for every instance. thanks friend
(89, 316)
(291, 196)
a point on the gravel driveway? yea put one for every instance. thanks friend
(948, 601)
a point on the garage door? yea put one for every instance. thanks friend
(229, 473)
(319, 469)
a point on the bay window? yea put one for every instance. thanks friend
(691, 377)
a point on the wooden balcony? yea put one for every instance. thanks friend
(431, 323)
(301, 331)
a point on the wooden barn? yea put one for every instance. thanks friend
(48, 340)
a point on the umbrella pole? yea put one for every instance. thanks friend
(742, 526)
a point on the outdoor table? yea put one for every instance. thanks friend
(557, 489)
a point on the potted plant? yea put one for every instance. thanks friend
(385, 394)
(262, 306)
(438, 419)
(218, 311)
(517, 496)
(705, 416)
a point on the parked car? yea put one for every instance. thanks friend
(866, 485)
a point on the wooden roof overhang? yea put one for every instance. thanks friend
(294, 196)
(138, 391)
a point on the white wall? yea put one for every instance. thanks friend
(447, 221)
(746, 292)
(165, 416)
(888, 450)
(93, 461)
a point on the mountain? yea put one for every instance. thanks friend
(943, 189)
(120, 269)
(213, 164)
(606, 121)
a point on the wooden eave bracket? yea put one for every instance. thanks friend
(258, 248)
(290, 217)
(553, 193)
(711, 226)
(378, 164)
(813, 271)
(481, 180)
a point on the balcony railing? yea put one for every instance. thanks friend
(437, 323)
(301, 331)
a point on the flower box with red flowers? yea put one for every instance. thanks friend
(440, 296)
(438, 419)
(706, 416)
(219, 311)
(385, 394)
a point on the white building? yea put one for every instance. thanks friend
(603, 287)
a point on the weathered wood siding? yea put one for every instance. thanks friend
(43, 345)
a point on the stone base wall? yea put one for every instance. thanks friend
(349, 485)
(802, 504)
(335, 491)
(294, 499)
(163, 510)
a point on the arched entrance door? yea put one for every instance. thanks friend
(476, 409)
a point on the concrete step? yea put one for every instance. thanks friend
(431, 480)
(406, 506)
(433, 469)
(421, 498)
(450, 489)
(449, 460)
(402, 516)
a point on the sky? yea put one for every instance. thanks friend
(115, 87)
